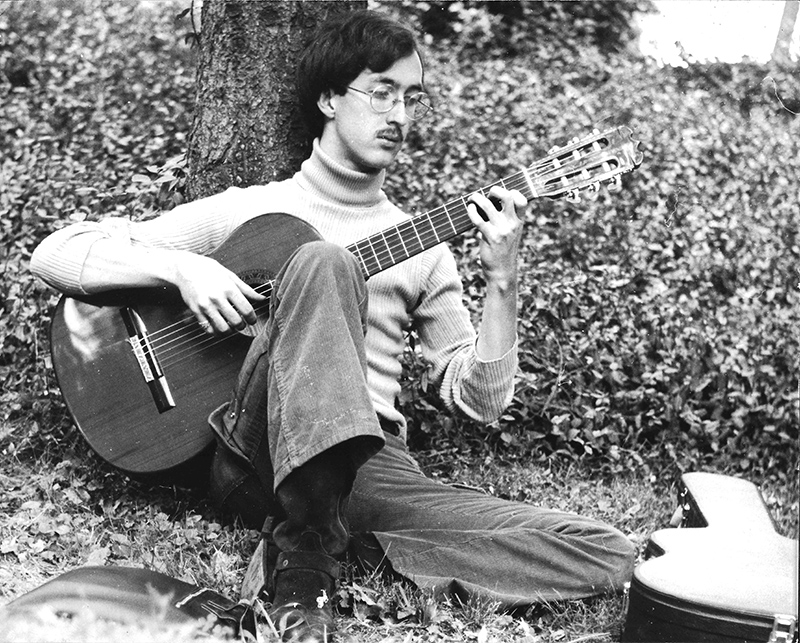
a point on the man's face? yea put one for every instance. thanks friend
(361, 138)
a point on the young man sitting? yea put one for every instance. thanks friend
(311, 444)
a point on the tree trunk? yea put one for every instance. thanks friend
(780, 54)
(247, 129)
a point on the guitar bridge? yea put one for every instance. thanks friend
(147, 360)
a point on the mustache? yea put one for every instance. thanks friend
(392, 132)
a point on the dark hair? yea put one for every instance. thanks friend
(343, 47)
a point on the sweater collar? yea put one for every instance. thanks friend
(325, 177)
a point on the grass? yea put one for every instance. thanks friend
(63, 508)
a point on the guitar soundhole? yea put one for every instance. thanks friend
(260, 281)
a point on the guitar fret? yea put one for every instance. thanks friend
(410, 223)
(374, 253)
(366, 259)
(402, 243)
(450, 219)
(369, 260)
(465, 204)
(356, 250)
(426, 218)
(388, 247)
(442, 233)
(416, 230)
(527, 176)
(395, 240)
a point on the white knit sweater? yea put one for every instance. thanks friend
(345, 206)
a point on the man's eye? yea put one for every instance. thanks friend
(381, 94)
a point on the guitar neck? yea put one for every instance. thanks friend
(384, 249)
(583, 164)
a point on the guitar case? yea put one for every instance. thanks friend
(724, 574)
(127, 595)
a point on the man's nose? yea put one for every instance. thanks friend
(398, 114)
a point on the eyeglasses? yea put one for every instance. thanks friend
(383, 98)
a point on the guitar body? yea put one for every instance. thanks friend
(723, 575)
(101, 377)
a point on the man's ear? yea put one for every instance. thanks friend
(325, 103)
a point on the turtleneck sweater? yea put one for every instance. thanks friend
(422, 294)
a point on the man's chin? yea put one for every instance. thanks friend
(380, 161)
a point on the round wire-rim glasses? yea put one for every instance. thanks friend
(383, 98)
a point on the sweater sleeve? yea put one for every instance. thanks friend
(478, 388)
(198, 226)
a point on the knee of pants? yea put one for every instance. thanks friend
(327, 256)
(320, 271)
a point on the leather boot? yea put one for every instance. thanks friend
(313, 534)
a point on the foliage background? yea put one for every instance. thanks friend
(660, 321)
(659, 325)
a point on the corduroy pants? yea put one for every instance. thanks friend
(303, 390)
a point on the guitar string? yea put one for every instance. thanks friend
(182, 346)
(171, 330)
(166, 350)
(517, 181)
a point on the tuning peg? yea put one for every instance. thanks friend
(614, 184)
(573, 196)
(593, 192)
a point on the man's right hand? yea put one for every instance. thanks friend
(219, 299)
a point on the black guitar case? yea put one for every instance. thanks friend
(127, 595)
(724, 574)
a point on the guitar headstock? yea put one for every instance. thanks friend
(584, 164)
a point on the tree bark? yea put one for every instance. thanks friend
(247, 129)
(780, 54)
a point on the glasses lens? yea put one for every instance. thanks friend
(418, 105)
(382, 98)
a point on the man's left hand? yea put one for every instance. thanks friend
(500, 231)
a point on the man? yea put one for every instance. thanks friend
(311, 444)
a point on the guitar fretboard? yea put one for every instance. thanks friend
(583, 163)
(388, 247)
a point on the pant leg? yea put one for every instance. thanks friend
(461, 542)
(302, 388)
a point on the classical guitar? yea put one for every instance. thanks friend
(140, 376)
